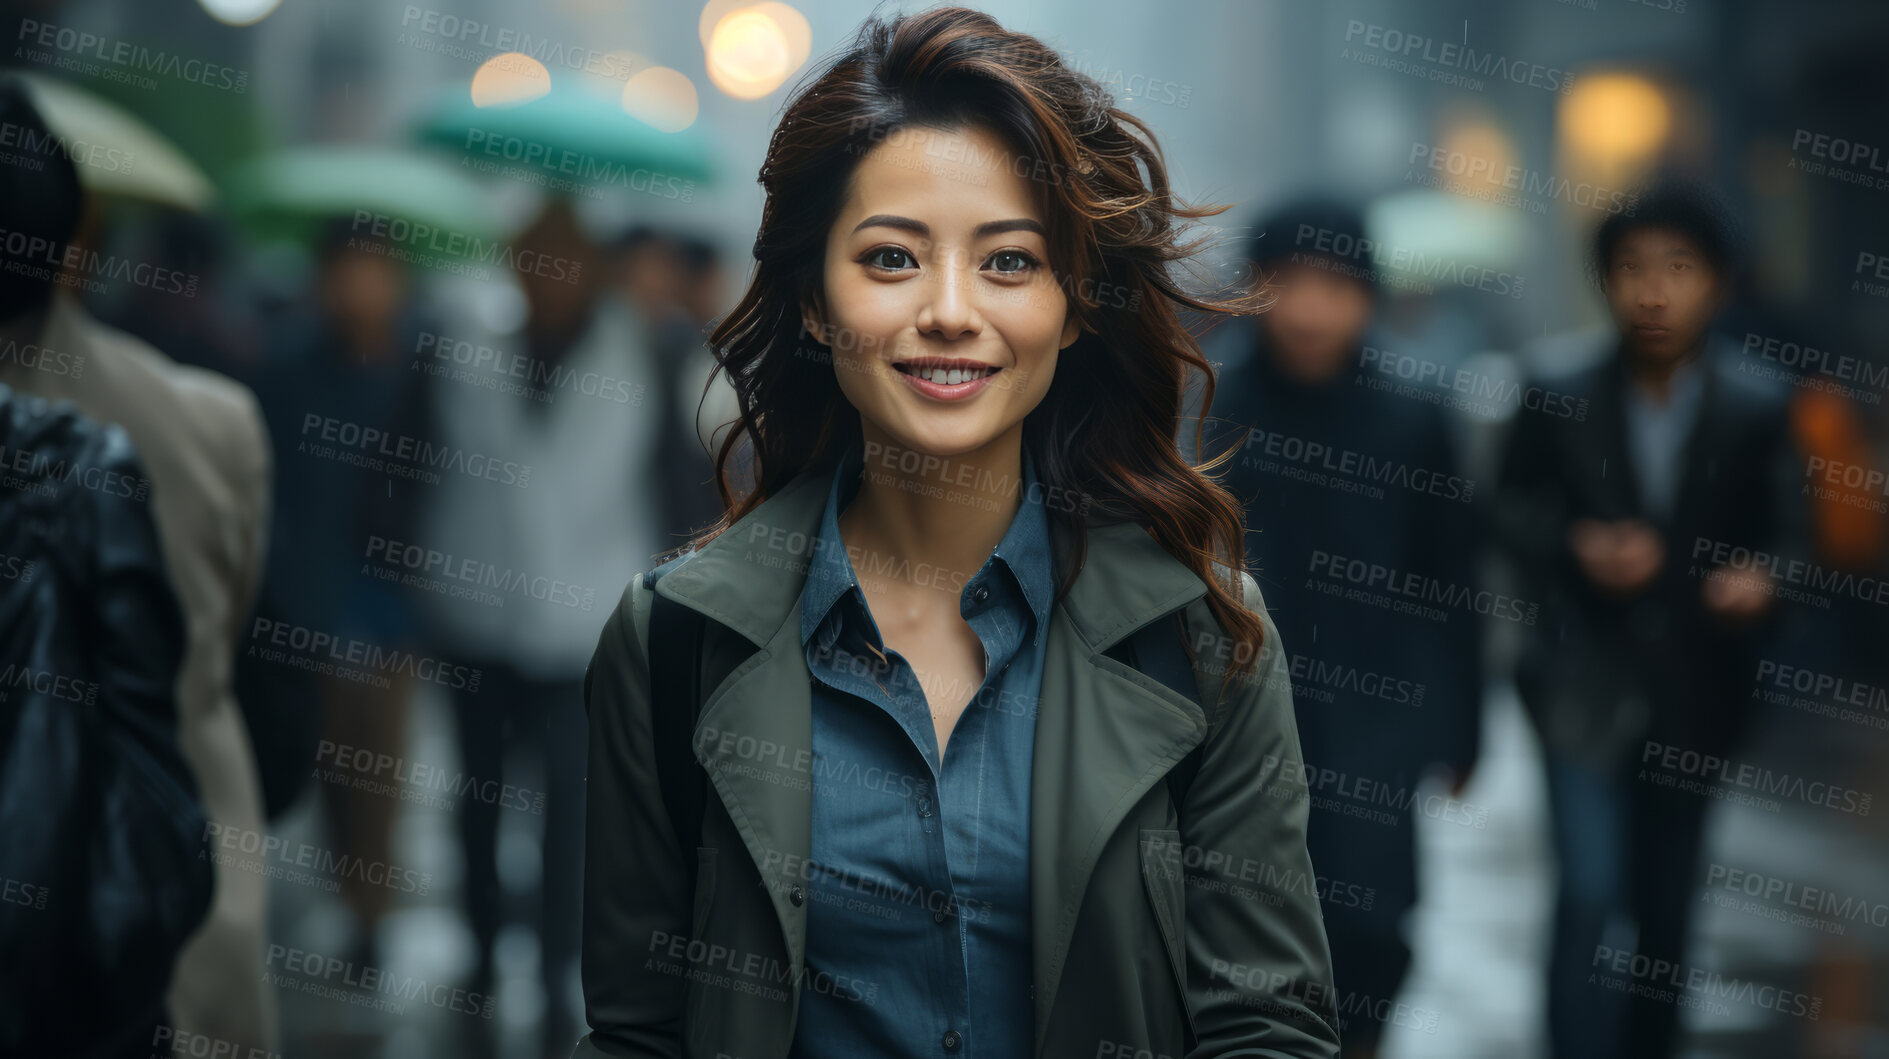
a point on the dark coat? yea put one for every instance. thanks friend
(104, 858)
(1135, 935)
(1342, 471)
(1600, 675)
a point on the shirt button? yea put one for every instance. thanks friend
(924, 805)
(981, 594)
(952, 1040)
(937, 915)
(797, 895)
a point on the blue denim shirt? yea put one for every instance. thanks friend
(918, 912)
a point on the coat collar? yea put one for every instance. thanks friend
(1105, 735)
(750, 576)
(1614, 450)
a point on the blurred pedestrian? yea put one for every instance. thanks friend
(202, 441)
(106, 865)
(345, 358)
(204, 446)
(674, 283)
(564, 518)
(103, 864)
(1334, 472)
(1622, 521)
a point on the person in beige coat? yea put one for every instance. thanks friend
(201, 440)
(204, 446)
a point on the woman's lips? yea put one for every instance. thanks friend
(941, 391)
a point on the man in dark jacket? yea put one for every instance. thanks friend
(1356, 517)
(1627, 523)
(103, 872)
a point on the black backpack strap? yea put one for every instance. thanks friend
(1158, 649)
(675, 687)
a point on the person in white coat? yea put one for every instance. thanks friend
(562, 420)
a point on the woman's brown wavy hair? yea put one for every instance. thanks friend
(1107, 432)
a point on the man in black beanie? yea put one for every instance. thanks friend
(1338, 478)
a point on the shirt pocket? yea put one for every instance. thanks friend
(1161, 877)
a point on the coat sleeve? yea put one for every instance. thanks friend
(257, 478)
(634, 888)
(1259, 975)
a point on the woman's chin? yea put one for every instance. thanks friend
(939, 440)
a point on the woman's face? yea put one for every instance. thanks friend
(939, 263)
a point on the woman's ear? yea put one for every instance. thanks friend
(1072, 327)
(813, 318)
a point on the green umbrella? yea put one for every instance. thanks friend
(570, 140)
(288, 194)
(116, 152)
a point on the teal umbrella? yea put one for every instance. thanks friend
(288, 194)
(570, 139)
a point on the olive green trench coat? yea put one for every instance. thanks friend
(1148, 926)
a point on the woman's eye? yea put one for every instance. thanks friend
(1022, 261)
(878, 258)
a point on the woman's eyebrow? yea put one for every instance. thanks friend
(1015, 224)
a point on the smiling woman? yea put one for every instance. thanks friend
(942, 300)
(945, 783)
(949, 189)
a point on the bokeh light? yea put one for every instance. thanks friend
(240, 12)
(1488, 152)
(794, 28)
(1615, 118)
(508, 79)
(662, 97)
(752, 49)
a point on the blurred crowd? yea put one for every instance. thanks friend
(271, 534)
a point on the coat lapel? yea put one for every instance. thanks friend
(755, 732)
(1104, 735)
(1611, 459)
(1702, 445)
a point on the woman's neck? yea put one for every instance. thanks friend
(947, 511)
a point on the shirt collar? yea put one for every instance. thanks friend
(1684, 389)
(1024, 550)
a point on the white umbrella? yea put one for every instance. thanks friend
(116, 152)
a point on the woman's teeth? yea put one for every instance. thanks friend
(949, 377)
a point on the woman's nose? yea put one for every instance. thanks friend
(948, 312)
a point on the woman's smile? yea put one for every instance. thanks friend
(946, 378)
